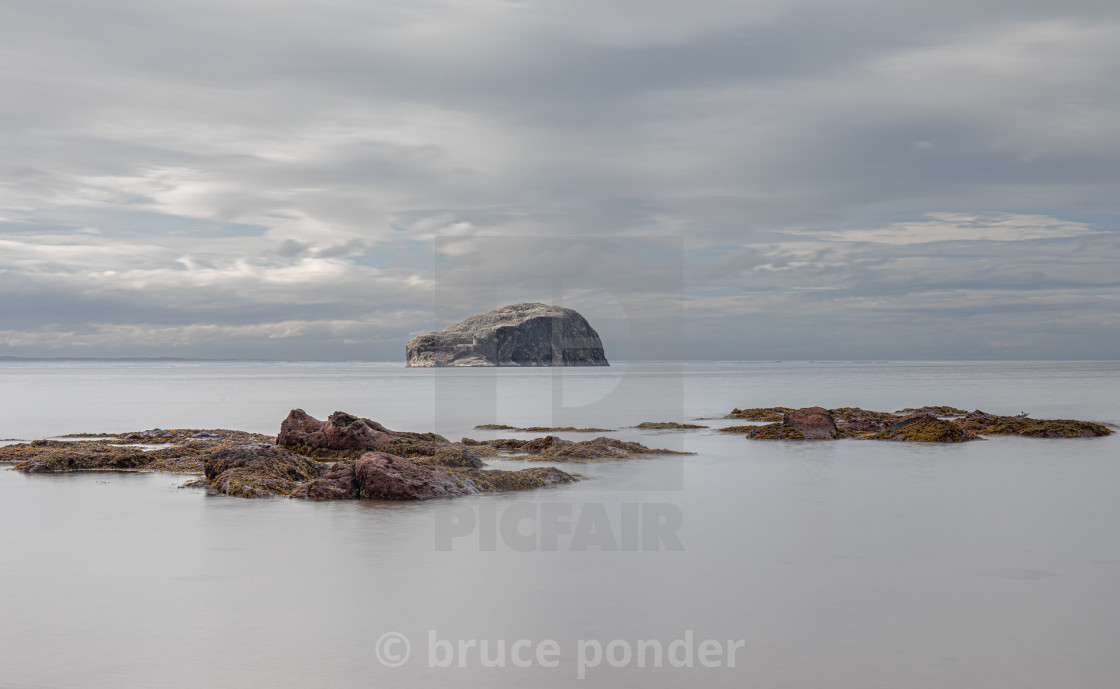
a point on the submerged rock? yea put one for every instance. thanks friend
(551, 448)
(526, 334)
(539, 429)
(939, 410)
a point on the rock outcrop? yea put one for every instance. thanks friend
(341, 431)
(929, 424)
(382, 476)
(344, 435)
(812, 422)
(526, 334)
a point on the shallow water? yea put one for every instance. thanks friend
(843, 564)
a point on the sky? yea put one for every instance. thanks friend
(775, 179)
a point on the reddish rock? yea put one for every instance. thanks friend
(382, 476)
(341, 431)
(813, 422)
(346, 432)
(864, 425)
(301, 428)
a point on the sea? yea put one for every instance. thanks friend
(844, 564)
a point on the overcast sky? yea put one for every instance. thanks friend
(774, 179)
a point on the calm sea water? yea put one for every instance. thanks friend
(844, 564)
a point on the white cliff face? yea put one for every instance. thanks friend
(526, 334)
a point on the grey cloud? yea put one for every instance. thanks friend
(250, 165)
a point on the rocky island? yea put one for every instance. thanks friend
(526, 334)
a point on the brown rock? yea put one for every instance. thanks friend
(864, 425)
(301, 428)
(813, 422)
(383, 476)
(347, 432)
(338, 483)
(341, 431)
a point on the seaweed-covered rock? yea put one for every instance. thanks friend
(557, 449)
(813, 422)
(257, 471)
(775, 431)
(526, 334)
(149, 435)
(56, 456)
(940, 410)
(456, 456)
(668, 426)
(497, 480)
(597, 448)
(180, 451)
(539, 429)
(924, 428)
(935, 423)
(760, 413)
(990, 424)
(737, 429)
(538, 446)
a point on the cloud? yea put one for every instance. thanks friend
(217, 171)
(949, 227)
